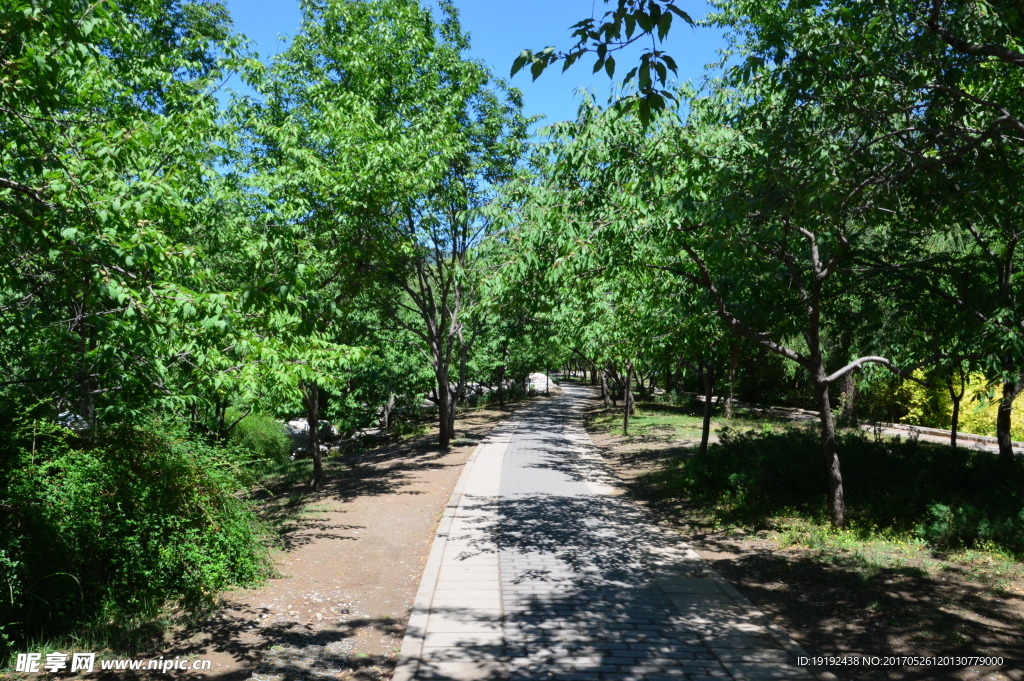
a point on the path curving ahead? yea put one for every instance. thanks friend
(541, 570)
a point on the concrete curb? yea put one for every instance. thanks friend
(968, 437)
(411, 655)
(415, 630)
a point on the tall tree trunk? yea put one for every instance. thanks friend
(453, 406)
(830, 448)
(604, 389)
(734, 358)
(848, 391)
(709, 387)
(443, 397)
(1003, 421)
(956, 397)
(629, 397)
(389, 407)
(627, 407)
(311, 396)
(501, 386)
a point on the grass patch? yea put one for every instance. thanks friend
(868, 548)
(670, 421)
(899, 493)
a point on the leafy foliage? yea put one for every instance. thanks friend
(370, 229)
(109, 529)
(949, 497)
(260, 438)
(629, 22)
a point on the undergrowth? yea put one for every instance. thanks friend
(902, 492)
(681, 421)
(100, 533)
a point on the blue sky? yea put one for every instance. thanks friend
(499, 30)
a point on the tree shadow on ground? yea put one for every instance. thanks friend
(848, 602)
(842, 603)
(611, 553)
(378, 471)
(580, 594)
(295, 651)
(845, 605)
(300, 517)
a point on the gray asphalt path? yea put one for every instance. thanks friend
(542, 570)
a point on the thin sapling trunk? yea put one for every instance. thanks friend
(311, 396)
(626, 401)
(830, 448)
(734, 357)
(709, 386)
(956, 397)
(1004, 421)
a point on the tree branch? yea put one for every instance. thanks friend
(1003, 54)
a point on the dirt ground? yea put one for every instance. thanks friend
(832, 605)
(350, 562)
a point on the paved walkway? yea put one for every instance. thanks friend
(541, 571)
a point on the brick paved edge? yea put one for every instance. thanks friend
(778, 633)
(415, 630)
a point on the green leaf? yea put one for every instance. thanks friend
(664, 25)
(679, 13)
(520, 62)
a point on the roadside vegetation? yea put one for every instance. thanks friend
(757, 474)
(371, 236)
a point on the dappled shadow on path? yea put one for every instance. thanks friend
(381, 471)
(581, 590)
(846, 603)
(255, 632)
(582, 574)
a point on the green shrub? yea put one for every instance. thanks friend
(106, 531)
(952, 499)
(261, 439)
(968, 526)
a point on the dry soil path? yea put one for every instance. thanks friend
(541, 570)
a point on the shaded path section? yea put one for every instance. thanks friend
(589, 588)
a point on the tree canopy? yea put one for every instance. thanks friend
(371, 238)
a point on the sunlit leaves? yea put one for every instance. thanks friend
(102, 195)
(615, 30)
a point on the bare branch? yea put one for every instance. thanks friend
(887, 363)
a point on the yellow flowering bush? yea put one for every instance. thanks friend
(933, 407)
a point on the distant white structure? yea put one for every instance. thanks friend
(299, 428)
(540, 382)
